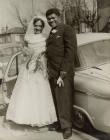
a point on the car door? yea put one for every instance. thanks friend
(11, 73)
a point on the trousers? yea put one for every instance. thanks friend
(63, 99)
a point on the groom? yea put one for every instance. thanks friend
(61, 45)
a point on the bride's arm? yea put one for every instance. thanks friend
(27, 53)
(43, 52)
(26, 49)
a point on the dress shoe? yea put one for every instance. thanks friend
(55, 127)
(67, 133)
(51, 128)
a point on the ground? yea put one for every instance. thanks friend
(10, 131)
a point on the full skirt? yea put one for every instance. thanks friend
(31, 102)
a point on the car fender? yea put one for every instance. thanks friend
(86, 113)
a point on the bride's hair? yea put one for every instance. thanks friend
(30, 29)
(38, 19)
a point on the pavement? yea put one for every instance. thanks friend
(12, 131)
(49, 136)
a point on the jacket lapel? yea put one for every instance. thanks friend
(53, 35)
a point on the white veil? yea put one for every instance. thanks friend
(30, 29)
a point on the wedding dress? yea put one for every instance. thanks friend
(31, 102)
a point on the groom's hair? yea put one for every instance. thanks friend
(52, 11)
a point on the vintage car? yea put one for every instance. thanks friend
(92, 80)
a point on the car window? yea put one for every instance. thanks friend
(13, 68)
(6, 54)
(17, 63)
(95, 53)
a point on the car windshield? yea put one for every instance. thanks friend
(94, 54)
(5, 55)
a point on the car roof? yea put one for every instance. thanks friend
(85, 38)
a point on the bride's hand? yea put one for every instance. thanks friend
(43, 53)
(24, 50)
(27, 51)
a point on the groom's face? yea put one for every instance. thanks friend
(53, 20)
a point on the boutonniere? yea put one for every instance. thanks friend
(54, 31)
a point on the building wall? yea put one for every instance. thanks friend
(103, 8)
(11, 38)
(103, 3)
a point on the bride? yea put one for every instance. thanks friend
(31, 102)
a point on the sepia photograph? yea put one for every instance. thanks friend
(54, 69)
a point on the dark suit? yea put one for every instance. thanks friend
(60, 52)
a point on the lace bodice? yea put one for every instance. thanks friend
(38, 61)
(36, 42)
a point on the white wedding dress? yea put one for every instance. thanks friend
(31, 102)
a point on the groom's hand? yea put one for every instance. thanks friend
(60, 82)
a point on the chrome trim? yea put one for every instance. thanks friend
(107, 97)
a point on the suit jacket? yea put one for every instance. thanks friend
(61, 48)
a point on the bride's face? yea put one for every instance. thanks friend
(38, 27)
